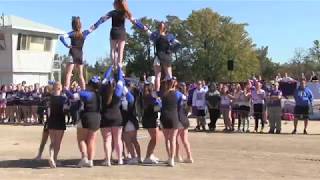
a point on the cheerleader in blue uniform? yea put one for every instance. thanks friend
(56, 122)
(165, 44)
(171, 99)
(131, 126)
(151, 107)
(77, 37)
(89, 122)
(118, 33)
(183, 131)
(111, 119)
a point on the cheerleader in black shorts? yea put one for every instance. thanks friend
(111, 119)
(131, 126)
(118, 33)
(183, 118)
(77, 37)
(165, 44)
(170, 118)
(89, 122)
(56, 122)
(151, 107)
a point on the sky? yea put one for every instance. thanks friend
(283, 25)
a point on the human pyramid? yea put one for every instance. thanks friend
(108, 103)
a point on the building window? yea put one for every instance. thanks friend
(2, 42)
(47, 44)
(34, 43)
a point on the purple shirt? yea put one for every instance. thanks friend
(275, 102)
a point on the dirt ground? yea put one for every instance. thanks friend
(217, 156)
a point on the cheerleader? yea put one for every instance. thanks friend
(89, 122)
(170, 118)
(112, 121)
(56, 122)
(151, 107)
(77, 37)
(183, 131)
(36, 96)
(11, 103)
(75, 105)
(3, 102)
(131, 126)
(118, 33)
(165, 44)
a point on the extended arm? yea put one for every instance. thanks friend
(63, 38)
(101, 21)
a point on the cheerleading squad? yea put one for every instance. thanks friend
(108, 104)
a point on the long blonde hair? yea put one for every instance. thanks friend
(123, 5)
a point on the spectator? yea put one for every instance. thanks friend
(314, 77)
(199, 101)
(274, 109)
(303, 98)
(213, 102)
(225, 108)
(258, 101)
(287, 78)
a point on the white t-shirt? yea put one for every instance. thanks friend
(3, 96)
(199, 98)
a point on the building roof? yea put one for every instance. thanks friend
(23, 24)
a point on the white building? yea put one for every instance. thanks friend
(26, 50)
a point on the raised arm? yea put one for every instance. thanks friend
(120, 83)
(63, 38)
(107, 75)
(129, 96)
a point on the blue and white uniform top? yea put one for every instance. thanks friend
(117, 20)
(71, 35)
(167, 43)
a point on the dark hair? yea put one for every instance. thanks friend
(109, 91)
(76, 27)
(3, 87)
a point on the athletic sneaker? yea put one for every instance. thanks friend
(294, 132)
(153, 157)
(305, 132)
(89, 164)
(150, 161)
(178, 160)
(52, 163)
(133, 161)
(106, 163)
(120, 162)
(171, 162)
(83, 163)
(188, 161)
